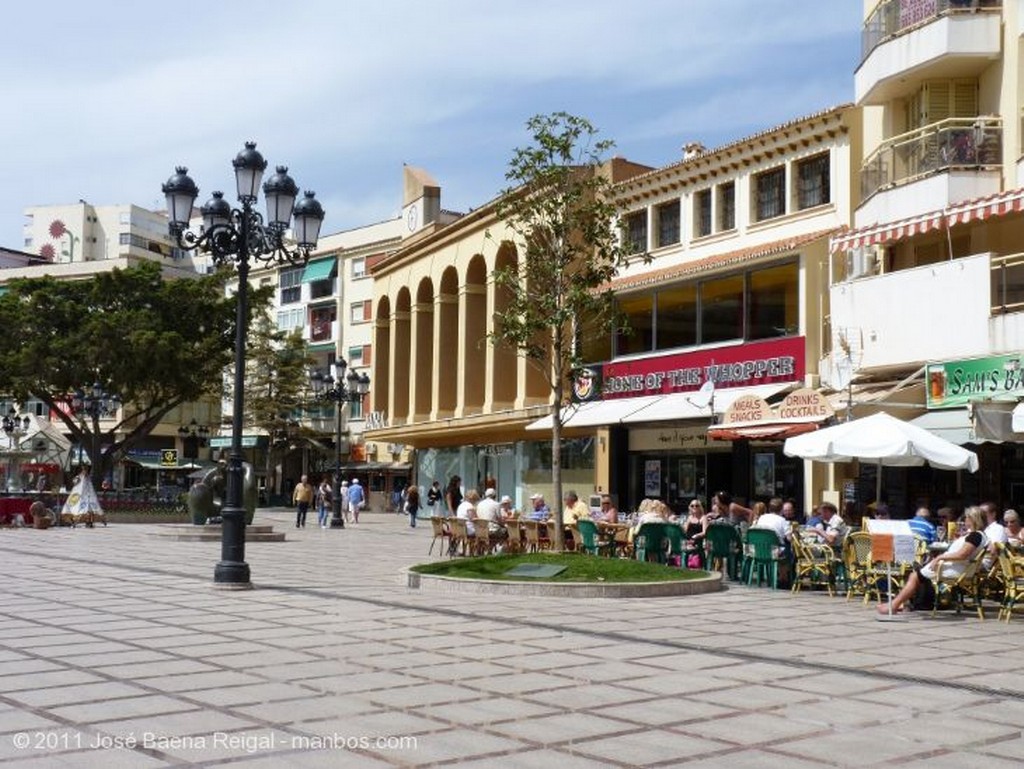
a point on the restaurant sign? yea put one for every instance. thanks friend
(954, 384)
(769, 362)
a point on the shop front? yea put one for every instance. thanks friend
(658, 410)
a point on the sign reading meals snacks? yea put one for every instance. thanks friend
(747, 408)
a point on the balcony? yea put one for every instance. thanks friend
(932, 167)
(322, 331)
(929, 38)
(959, 308)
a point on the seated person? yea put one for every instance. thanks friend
(540, 511)
(955, 560)
(608, 513)
(946, 516)
(1011, 520)
(773, 520)
(489, 510)
(834, 529)
(922, 526)
(574, 509)
(467, 510)
(724, 509)
(651, 511)
(695, 524)
(508, 513)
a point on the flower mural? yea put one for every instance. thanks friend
(57, 231)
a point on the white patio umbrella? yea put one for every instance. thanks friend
(883, 439)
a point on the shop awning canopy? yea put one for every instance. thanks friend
(762, 431)
(321, 269)
(653, 408)
(964, 212)
(954, 425)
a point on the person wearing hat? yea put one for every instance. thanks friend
(488, 509)
(540, 511)
(356, 499)
(506, 509)
(343, 493)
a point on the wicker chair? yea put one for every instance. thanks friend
(1012, 568)
(953, 587)
(459, 536)
(815, 563)
(440, 533)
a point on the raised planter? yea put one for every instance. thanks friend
(710, 584)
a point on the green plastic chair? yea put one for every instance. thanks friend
(674, 544)
(764, 556)
(723, 547)
(650, 540)
(592, 542)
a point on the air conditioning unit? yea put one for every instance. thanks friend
(862, 261)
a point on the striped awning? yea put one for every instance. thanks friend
(964, 212)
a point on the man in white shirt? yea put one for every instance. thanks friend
(489, 509)
(994, 532)
(774, 520)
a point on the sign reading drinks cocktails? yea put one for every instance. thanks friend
(954, 384)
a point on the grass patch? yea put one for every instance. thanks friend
(579, 568)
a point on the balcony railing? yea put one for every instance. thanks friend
(891, 17)
(973, 142)
(1007, 284)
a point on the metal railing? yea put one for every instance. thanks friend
(972, 142)
(891, 17)
(1007, 284)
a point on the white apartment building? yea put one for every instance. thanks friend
(82, 232)
(927, 287)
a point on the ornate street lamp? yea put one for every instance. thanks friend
(338, 389)
(193, 437)
(14, 427)
(235, 236)
(95, 403)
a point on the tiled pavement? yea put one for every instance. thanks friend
(118, 652)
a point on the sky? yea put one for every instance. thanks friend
(101, 100)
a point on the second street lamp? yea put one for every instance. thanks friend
(236, 236)
(339, 390)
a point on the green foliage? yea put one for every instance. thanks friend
(579, 568)
(155, 342)
(566, 238)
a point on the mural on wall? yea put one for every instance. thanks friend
(58, 231)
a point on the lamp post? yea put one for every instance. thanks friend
(14, 427)
(193, 437)
(338, 389)
(236, 236)
(94, 402)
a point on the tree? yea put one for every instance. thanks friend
(560, 214)
(277, 380)
(156, 343)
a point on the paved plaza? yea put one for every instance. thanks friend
(119, 652)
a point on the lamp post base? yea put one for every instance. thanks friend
(338, 523)
(229, 575)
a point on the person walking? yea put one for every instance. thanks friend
(302, 498)
(453, 497)
(324, 494)
(434, 498)
(356, 499)
(413, 504)
(343, 492)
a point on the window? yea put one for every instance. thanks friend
(355, 356)
(359, 267)
(359, 312)
(290, 283)
(640, 337)
(289, 319)
(318, 289)
(635, 232)
(594, 343)
(668, 223)
(773, 302)
(812, 178)
(676, 317)
(770, 191)
(702, 213)
(320, 324)
(721, 309)
(727, 207)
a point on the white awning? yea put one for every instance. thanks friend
(652, 408)
(1017, 420)
(596, 413)
(681, 405)
(952, 424)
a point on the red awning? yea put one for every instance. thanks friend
(764, 431)
(964, 212)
